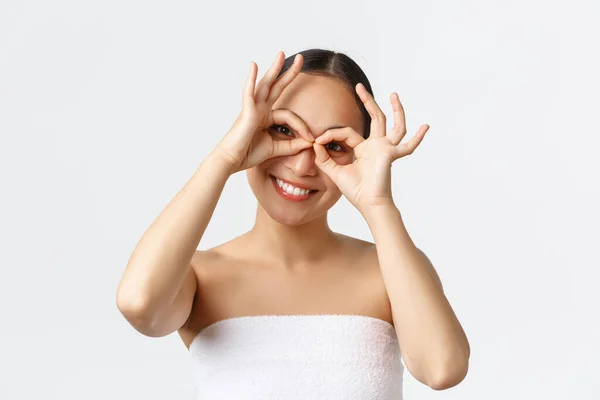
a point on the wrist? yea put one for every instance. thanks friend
(219, 161)
(381, 212)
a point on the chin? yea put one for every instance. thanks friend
(286, 218)
(284, 211)
(292, 213)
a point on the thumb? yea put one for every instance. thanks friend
(323, 161)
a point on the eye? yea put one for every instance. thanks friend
(281, 129)
(339, 147)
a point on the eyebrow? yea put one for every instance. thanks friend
(336, 127)
(331, 127)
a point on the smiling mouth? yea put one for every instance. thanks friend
(291, 189)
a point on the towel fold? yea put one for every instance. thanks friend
(326, 356)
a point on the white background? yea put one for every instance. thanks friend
(107, 108)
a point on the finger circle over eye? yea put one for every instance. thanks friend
(287, 117)
(347, 135)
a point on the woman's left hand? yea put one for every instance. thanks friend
(366, 182)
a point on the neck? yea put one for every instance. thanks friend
(291, 246)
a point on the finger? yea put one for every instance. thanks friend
(289, 147)
(262, 90)
(291, 119)
(346, 135)
(285, 79)
(378, 119)
(324, 161)
(397, 133)
(248, 94)
(410, 146)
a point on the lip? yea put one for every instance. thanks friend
(288, 196)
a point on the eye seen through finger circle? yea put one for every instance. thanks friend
(282, 130)
(333, 146)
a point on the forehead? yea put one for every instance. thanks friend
(321, 102)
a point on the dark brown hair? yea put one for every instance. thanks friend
(335, 65)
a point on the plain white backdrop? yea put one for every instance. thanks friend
(107, 108)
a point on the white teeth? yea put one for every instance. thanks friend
(289, 189)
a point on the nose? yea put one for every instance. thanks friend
(302, 163)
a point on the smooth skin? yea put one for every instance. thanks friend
(306, 129)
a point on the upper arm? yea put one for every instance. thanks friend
(181, 309)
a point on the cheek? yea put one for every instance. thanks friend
(259, 170)
(255, 174)
(251, 176)
(344, 159)
(258, 176)
(266, 164)
(330, 185)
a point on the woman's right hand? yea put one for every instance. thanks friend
(248, 142)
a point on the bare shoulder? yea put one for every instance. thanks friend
(363, 254)
(368, 253)
(212, 271)
(202, 258)
(204, 261)
(359, 249)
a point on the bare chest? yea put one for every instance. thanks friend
(227, 290)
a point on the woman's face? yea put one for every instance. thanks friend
(321, 102)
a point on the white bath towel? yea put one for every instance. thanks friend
(326, 356)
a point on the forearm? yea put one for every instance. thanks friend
(431, 338)
(161, 258)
